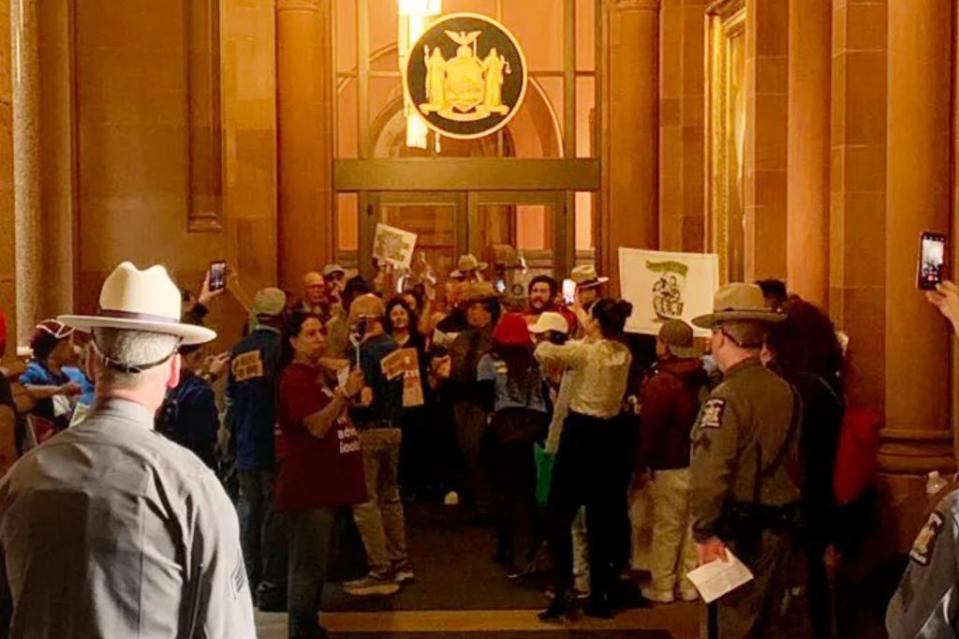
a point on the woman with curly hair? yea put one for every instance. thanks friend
(417, 459)
(805, 350)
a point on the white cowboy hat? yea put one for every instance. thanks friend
(137, 300)
(466, 264)
(585, 276)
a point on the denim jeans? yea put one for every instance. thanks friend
(261, 531)
(310, 535)
(380, 519)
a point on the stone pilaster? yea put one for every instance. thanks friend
(8, 277)
(631, 95)
(26, 166)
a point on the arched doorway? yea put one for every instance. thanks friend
(532, 185)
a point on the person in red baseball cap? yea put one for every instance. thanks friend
(512, 389)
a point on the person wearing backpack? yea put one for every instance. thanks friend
(805, 351)
(669, 404)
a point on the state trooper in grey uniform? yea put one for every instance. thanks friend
(746, 475)
(109, 529)
(926, 605)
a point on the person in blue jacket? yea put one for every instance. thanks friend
(251, 401)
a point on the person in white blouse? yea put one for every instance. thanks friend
(583, 474)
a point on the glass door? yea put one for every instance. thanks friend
(533, 222)
(437, 218)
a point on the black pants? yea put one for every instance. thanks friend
(584, 476)
(512, 474)
(417, 452)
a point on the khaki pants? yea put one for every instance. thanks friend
(380, 519)
(673, 549)
(640, 520)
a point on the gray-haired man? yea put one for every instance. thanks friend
(110, 529)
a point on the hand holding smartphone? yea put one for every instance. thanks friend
(217, 276)
(932, 261)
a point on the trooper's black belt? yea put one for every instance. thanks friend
(757, 516)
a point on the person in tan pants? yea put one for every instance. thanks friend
(669, 404)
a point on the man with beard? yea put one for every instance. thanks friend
(543, 291)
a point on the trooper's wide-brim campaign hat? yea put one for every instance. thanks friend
(136, 300)
(738, 302)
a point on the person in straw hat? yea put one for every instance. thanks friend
(670, 402)
(481, 301)
(110, 530)
(468, 269)
(746, 474)
(588, 284)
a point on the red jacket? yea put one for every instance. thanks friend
(670, 404)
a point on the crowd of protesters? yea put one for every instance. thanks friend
(536, 415)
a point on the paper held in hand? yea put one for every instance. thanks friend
(394, 246)
(715, 579)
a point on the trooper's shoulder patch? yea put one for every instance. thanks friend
(712, 416)
(926, 540)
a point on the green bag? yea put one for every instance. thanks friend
(544, 473)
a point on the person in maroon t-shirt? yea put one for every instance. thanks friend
(323, 467)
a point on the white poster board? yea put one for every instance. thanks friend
(663, 286)
(394, 245)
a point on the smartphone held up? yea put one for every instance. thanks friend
(932, 260)
(217, 276)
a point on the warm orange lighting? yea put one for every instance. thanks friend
(414, 15)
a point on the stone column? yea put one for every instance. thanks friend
(918, 436)
(8, 226)
(807, 165)
(304, 64)
(765, 152)
(857, 235)
(26, 166)
(631, 209)
(682, 127)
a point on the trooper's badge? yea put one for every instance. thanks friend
(712, 416)
(466, 76)
(926, 540)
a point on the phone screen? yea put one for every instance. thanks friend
(569, 291)
(217, 275)
(932, 259)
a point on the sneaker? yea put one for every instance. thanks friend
(658, 596)
(403, 574)
(372, 584)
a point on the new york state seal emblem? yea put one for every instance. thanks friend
(466, 76)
